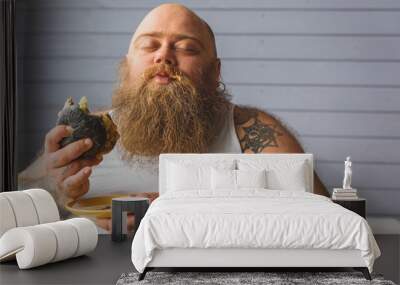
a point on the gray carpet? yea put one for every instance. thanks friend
(269, 278)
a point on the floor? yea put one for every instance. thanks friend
(110, 260)
(389, 262)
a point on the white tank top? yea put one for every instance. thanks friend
(113, 175)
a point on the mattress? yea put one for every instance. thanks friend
(252, 219)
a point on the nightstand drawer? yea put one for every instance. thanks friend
(357, 206)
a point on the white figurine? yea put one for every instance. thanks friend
(347, 174)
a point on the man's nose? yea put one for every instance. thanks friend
(165, 55)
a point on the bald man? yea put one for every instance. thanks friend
(168, 99)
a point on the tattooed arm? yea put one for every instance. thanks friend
(259, 132)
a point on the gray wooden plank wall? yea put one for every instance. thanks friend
(330, 70)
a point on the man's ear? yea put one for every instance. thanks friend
(218, 69)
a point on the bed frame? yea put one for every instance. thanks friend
(250, 258)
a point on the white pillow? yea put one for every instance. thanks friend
(251, 178)
(281, 174)
(223, 179)
(187, 174)
(293, 179)
(236, 179)
(181, 177)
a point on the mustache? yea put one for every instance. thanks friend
(164, 69)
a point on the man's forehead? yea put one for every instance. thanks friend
(172, 20)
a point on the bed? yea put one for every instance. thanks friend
(247, 210)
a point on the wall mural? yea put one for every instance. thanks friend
(107, 89)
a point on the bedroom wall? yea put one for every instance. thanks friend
(330, 70)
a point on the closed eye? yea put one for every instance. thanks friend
(190, 50)
(148, 45)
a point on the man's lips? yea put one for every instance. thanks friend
(162, 78)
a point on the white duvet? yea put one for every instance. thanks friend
(253, 218)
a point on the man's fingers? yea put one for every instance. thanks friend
(75, 193)
(54, 136)
(73, 184)
(104, 223)
(131, 222)
(77, 165)
(70, 152)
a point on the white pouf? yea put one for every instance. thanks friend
(23, 208)
(7, 220)
(46, 207)
(40, 244)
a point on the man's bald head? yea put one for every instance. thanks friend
(176, 18)
(168, 98)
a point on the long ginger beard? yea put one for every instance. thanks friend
(175, 118)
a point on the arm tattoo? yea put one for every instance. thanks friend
(259, 135)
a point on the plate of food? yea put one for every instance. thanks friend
(100, 206)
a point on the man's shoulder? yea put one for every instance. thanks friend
(259, 132)
(244, 114)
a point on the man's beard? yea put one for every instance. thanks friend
(175, 118)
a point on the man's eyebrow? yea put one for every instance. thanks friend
(177, 36)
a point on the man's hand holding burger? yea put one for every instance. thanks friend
(71, 149)
(59, 170)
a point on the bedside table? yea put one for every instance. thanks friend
(358, 205)
(120, 208)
